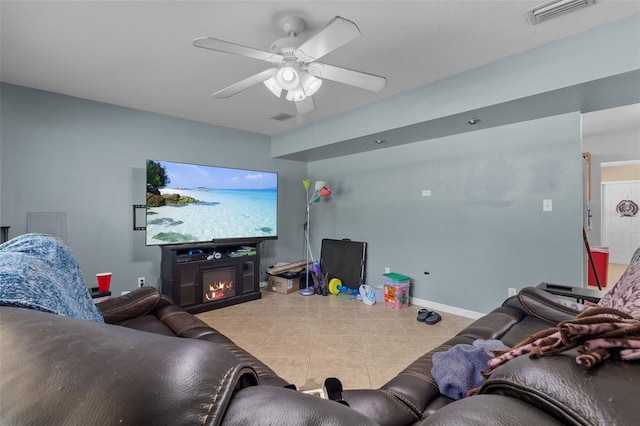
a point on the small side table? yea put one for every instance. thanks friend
(96, 294)
(579, 293)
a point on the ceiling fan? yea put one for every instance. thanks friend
(295, 69)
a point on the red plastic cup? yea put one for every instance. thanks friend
(104, 281)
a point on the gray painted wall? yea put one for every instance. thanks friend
(64, 154)
(483, 229)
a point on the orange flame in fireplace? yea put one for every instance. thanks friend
(219, 290)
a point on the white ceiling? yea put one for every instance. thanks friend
(139, 54)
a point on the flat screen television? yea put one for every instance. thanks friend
(192, 203)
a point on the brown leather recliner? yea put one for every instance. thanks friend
(550, 390)
(66, 371)
(136, 370)
(147, 310)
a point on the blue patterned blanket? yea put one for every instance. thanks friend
(38, 271)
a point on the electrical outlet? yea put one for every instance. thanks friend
(387, 270)
(141, 281)
(511, 291)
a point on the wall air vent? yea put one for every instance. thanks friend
(551, 9)
(282, 116)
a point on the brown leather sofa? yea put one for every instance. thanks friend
(153, 363)
(550, 390)
(147, 310)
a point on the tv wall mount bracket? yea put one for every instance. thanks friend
(139, 209)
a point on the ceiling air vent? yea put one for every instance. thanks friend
(551, 9)
(282, 116)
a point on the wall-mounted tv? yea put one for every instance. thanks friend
(191, 203)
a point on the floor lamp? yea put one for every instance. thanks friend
(320, 191)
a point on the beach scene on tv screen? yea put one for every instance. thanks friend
(193, 203)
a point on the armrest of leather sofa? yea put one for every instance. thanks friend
(572, 393)
(495, 410)
(61, 370)
(545, 306)
(268, 405)
(139, 302)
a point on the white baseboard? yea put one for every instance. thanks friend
(446, 308)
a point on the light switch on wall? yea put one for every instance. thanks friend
(547, 205)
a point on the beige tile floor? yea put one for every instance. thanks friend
(614, 272)
(306, 339)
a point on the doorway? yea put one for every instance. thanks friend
(620, 220)
(610, 137)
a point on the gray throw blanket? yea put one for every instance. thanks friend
(458, 370)
(38, 271)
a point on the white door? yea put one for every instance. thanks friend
(620, 233)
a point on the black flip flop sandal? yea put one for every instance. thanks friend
(433, 318)
(423, 314)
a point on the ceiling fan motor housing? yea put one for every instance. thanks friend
(293, 25)
(285, 46)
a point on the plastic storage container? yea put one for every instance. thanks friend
(396, 290)
(379, 293)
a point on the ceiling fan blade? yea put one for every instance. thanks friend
(237, 49)
(243, 85)
(336, 33)
(305, 106)
(363, 80)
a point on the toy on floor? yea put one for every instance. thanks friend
(319, 282)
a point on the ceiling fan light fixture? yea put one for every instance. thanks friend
(273, 86)
(310, 84)
(296, 94)
(288, 78)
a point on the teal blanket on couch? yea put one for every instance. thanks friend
(38, 271)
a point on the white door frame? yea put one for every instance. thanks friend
(606, 240)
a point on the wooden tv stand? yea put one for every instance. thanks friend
(202, 277)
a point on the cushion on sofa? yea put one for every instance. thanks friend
(130, 305)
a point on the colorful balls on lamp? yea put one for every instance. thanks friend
(325, 192)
